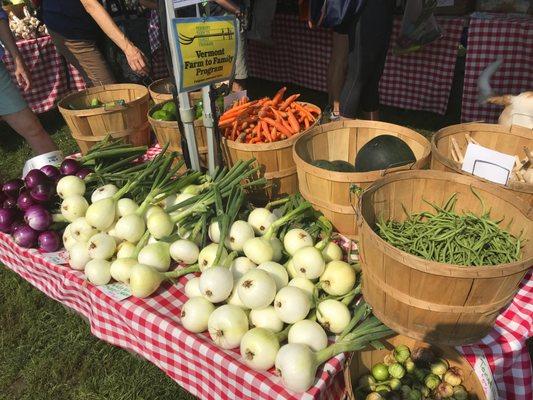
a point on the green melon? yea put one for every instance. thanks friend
(324, 164)
(342, 166)
(383, 152)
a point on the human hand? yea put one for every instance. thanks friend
(22, 74)
(136, 60)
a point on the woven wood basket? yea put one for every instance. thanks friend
(91, 125)
(431, 301)
(361, 362)
(330, 191)
(510, 140)
(161, 92)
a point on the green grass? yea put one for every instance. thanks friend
(47, 352)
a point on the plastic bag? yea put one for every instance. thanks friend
(419, 26)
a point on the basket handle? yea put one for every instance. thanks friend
(115, 135)
(387, 170)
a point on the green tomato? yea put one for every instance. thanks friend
(460, 393)
(367, 381)
(419, 374)
(414, 395)
(373, 396)
(380, 372)
(395, 384)
(396, 371)
(401, 353)
(439, 367)
(383, 389)
(432, 381)
(170, 107)
(409, 365)
(95, 102)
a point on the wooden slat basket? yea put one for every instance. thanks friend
(329, 191)
(168, 131)
(431, 301)
(91, 125)
(505, 139)
(275, 160)
(361, 362)
(161, 92)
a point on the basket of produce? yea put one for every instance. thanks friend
(118, 110)
(448, 147)
(409, 369)
(339, 158)
(266, 130)
(162, 118)
(442, 253)
(161, 91)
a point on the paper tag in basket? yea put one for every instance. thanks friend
(52, 158)
(57, 257)
(118, 290)
(484, 373)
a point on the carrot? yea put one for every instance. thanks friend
(287, 125)
(312, 108)
(234, 131)
(265, 131)
(273, 133)
(293, 122)
(278, 96)
(288, 101)
(303, 111)
(306, 123)
(279, 126)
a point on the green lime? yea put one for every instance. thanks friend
(170, 107)
(162, 115)
(95, 102)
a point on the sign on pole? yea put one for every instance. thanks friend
(185, 3)
(206, 49)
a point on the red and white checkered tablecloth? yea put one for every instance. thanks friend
(420, 81)
(51, 79)
(491, 36)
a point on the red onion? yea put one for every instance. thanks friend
(10, 202)
(69, 167)
(3, 197)
(35, 177)
(49, 241)
(83, 172)
(7, 218)
(17, 224)
(25, 200)
(12, 188)
(51, 171)
(42, 193)
(25, 236)
(38, 217)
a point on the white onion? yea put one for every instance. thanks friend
(160, 225)
(292, 304)
(305, 284)
(144, 280)
(184, 251)
(277, 272)
(97, 272)
(308, 262)
(152, 210)
(296, 364)
(101, 246)
(126, 206)
(207, 256)
(227, 325)
(266, 318)
(70, 186)
(192, 288)
(113, 233)
(310, 333)
(195, 313)
(259, 250)
(333, 315)
(192, 189)
(235, 300)
(130, 227)
(240, 266)
(239, 233)
(74, 207)
(259, 348)
(155, 255)
(296, 239)
(152, 240)
(214, 232)
(169, 201)
(332, 251)
(256, 289)
(277, 246)
(68, 239)
(290, 269)
(79, 256)
(216, 284)
(338, 278)
(101, 214)
(121, 269)
(260, 219)
(126, 250)
(81, 230)
(103, 192)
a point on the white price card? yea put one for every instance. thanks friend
(483, 372)
(118, 290)
(57, 257)
(185, 3)
(487, 163)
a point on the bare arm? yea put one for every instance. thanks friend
(228, 5)
(151, 4)
(135, 57)
(21, 72)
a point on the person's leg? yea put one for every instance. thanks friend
(262, 17)
(351, 91)
(86, 56)
(337, 70)
(15, 112)
(241, 69)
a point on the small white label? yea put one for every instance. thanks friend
(57, 257)
(52, 158)
(483, 372)
(489, 164)
(118, 290)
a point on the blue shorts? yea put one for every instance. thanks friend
(11, 100)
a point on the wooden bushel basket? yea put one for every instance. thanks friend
(360, 363)
(161, 92)
(275, 160)
(168, 131)
(330, 191)
(505, 139)
(427, 300)
(91, 125)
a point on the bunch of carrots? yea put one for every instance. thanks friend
(267, 120)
